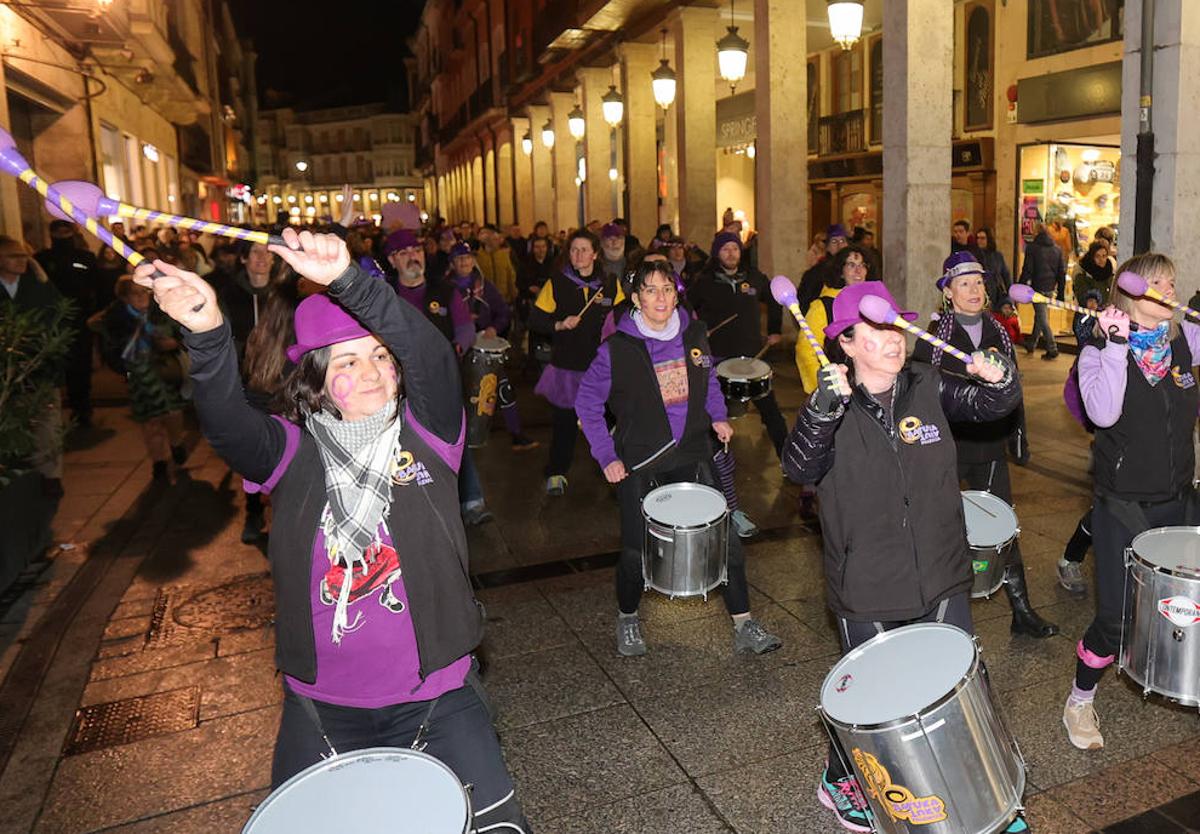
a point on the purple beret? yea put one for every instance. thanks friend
(612, 230)
(461, 248)
(399, 239)
(836, 230)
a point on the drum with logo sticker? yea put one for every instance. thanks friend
(685, 551)
(383, 790)
(1160, 638)
(991, 530)
(913, 711)
(483, 373)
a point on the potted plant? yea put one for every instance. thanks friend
(33, 345)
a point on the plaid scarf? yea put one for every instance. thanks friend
(359, 457)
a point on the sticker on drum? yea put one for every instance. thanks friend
(382, 790)
(900, 802)
(1181, 611)
(897, 674)
(684, 505)
(991, 522)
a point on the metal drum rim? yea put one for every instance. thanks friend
(342, 759)
(1141, 560)
(687, 485)
(894, 723)
(770, 374)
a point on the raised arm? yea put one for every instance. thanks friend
(972, 399)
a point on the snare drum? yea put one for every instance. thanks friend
(991, 530)
(913, 711)
(383, 790)
(743, 379)
(1160, 640)
(482, 369)
(685, 549)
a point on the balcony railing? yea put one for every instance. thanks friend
(842, 133)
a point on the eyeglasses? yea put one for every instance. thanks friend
(664, 290)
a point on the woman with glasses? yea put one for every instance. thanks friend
(850, 266)
(657, 377)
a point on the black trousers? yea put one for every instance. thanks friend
(955, 610)
(630, 493)
(564, 430)
(459, 733)
(773, 421)
(79, 374)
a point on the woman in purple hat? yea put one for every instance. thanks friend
(876, 434)
(375, 616)
(982, 447)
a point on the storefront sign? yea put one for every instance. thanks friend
(1071, 94)
(1033, 186)
(737, 123)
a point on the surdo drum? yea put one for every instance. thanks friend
(483, 369)
(743, 379)
(1160, 639)
(685, 550)
(382, 790)
(991, 530)
(913, 711)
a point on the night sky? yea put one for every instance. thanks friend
(329, 53)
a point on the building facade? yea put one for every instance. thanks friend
(305, 157)
(131, 95)
(994, 112)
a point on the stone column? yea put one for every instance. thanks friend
(781, 168)
(638, 60)
(1175, 120)
(597, 143)
(566, 193)
(541, 168)
(696, 121)
(505, 198)
(523, 174)
(917, 60)
(10, 208)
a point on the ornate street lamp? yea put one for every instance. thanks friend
(732, 53)
(845, 21)
(548, 134)
(613, 106)
(662, 80)
(527, 144)
(576, 126)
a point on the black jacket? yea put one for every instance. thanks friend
(424, 520)
(574, 350)
(73, 273)
(997, 278)
(977, 442)
(242, 304)
(1044, 268)
(715, 297)
(891, 513)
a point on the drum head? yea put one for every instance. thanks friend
(684, 505)
(990, 520)
(897, 674)
(491, 344)
(741, 367)
(383, 790)
(1170, 548)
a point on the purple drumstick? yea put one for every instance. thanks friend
(782, 289)
(1021, 293)
(1133, 284)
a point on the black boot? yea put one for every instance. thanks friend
(1024, 620)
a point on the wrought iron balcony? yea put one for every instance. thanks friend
(842, 133)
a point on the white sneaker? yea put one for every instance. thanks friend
(1083, 726)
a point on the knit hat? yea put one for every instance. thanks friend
(723, 238)
(959, 263)
(320, 322)
(612, 230)
(845, 306)
(836, 230)
(399, 239)
(461, 248)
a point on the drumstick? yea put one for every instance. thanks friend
(15, 164)
(978, 506)
(595, 295)
(91, 199)
(876, 309)
(1136, 285)
(764, 350)
(1025, 294)
(722, 324)
(785, 294)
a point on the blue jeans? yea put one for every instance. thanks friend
(470, 490)
(1041, 326)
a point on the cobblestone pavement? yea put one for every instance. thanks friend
(139, 693)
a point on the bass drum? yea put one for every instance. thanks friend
(482, 370)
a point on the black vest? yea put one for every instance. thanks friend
(425, 526)
(439, 295)
(642, 429)
(574, 350)
(1147, 454)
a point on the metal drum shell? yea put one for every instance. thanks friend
(684, 560)
(1158, 655)
(477, 365)
(943, 751)
(989, 581)
(741, 389)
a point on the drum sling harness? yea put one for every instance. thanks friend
(941, 615)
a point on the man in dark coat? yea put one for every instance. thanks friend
(1045, 270)
(73, 273)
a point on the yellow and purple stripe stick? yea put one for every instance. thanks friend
(876, 309)
(91, 199)
(1025, 294)
(785, 294)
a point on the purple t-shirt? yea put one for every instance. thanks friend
(376, 664)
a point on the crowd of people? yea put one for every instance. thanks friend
(329, 359)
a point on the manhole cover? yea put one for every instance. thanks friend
(244, 603)
(121, 722)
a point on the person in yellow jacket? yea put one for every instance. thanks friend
(850, 266)
(495, 262)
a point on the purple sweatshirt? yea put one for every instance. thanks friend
(460, 316)
(484, 301)
(597, 382)
(1102, 376)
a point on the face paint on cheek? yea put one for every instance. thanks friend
(340, 388)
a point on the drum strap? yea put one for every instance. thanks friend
(943, 606)
(418, 744)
